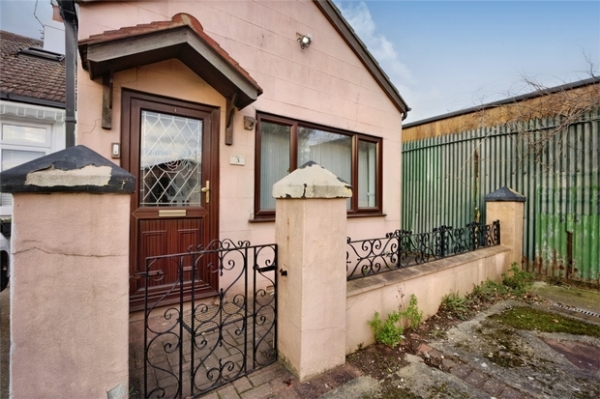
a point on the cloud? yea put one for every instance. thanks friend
(384, 51)
(422, 97)
(18, 17)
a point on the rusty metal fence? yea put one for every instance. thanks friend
(553, 163)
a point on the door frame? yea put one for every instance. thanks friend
(132, 103)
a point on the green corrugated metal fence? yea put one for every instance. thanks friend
(555, 167)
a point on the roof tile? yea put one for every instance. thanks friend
(29, 76)
(178, 20)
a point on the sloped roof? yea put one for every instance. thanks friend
(594, 80)
(24, 77)
(184, 38)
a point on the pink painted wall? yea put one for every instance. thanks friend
(69, 295)
(324, 84)
(386, 292)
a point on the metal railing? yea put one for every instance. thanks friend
(209, 343)
(402, 248)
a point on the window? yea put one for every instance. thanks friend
(170, 160)
(21, 143)
(284, 144)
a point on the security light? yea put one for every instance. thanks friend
(304, 40)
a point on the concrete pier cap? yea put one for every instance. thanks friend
(73, 170)
(311, 180)
(505, 194)
(69, 276)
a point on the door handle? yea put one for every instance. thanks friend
(206, 190)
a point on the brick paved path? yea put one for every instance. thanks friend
(482, 381)
(212, 360)
(275, 381)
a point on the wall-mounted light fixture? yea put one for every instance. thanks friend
(304, 40)
(249, 122)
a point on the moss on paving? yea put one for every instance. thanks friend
(526, 318)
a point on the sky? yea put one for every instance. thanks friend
(444, 56)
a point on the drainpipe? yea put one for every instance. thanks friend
(69, 16)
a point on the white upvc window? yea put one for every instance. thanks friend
(21, 142)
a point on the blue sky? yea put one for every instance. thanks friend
(447, 55)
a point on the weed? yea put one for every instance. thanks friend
(390, 332)
(412, 313)
(387, 333)
(519, 281)
(514, 283)
(455, 305)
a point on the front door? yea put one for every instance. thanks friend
(171, 147)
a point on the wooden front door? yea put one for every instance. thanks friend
(172, 148)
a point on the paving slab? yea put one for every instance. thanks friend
(358, 388)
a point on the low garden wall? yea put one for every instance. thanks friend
(429, 282)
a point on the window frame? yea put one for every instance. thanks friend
(23, 145)
(355, 210)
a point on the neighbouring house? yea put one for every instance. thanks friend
(32, 108)
(210, 103)
(544, 144)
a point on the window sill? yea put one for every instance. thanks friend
(349, 216)
(262, 219)
(366, 215)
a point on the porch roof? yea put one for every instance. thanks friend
(182, 38)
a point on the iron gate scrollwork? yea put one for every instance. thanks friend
(197, 345)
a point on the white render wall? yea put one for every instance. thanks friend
(325, 84)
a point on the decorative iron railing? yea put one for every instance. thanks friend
(402, 248)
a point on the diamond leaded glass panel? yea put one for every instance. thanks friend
(170, 160)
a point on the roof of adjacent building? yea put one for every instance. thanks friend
(35, 75)
(540, 92)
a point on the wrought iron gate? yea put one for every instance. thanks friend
(196, 345)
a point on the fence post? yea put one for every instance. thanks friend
(506, 205)
(310, 231)
(70, 278)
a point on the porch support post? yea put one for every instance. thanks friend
(69, 283)
(310, 231)
(506, 205)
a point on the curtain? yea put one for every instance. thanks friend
(274, 159)
(367, 155)
(331, 150)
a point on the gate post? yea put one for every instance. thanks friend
(70, 278)
(506, 205)
(310, 231)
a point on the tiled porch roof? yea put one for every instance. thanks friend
(184, 38)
